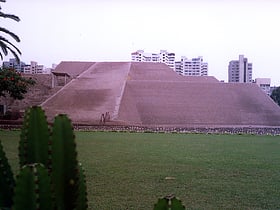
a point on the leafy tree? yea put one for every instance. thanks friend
(13, 84)
(6, 45)
(276, 95)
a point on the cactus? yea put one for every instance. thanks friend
(33, 189)
(169, 203)
(64, 170)
(6, 181)
(34, 138)
(38, 151)
(82, 195)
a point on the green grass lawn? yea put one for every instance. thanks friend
(131, 171)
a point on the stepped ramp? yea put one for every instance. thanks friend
(95, 91)
(155, 96)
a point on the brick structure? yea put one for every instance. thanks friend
(154, 95)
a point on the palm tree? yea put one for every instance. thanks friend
(5, 45)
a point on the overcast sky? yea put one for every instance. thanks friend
(109, 30)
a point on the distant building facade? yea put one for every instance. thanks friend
(185, 67)
(264, 84)
(34, 68)
(162, 57)
(191, 67)
(240, 70)
(13, 64)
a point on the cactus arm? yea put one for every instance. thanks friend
(7, 181)
(24, 197)
(169, 203)
(23, 139)
(176, 204)
(32, 189)
(34, 138)
(44, 187)
(82, 196)
(162, 204)
(64, 171)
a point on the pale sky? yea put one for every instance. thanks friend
(52, 31)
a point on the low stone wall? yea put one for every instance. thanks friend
(274, 131)
(218, 130)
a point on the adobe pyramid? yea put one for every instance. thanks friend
(153, 94)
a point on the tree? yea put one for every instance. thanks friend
(6, 45)
(276, 95)
(13, 84)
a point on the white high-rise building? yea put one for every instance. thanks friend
(240, 70)
(162, 57)
(34, 68)
(185, 67)
(191, 67)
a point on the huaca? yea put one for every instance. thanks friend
(152, 94)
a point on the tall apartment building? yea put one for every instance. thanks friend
(162, 57)
(13, 64)
(191, 67)
(240, 70)
(34, 68)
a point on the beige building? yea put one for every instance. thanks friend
(34, 68)
(162, 57)
(192, 67)
(264, 84)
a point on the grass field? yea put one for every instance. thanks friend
(131, 171)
